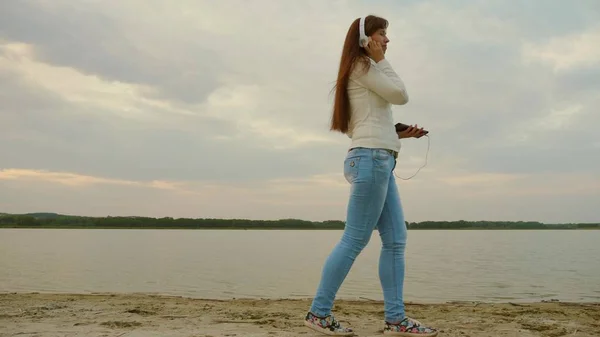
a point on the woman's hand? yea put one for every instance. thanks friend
(374, 50)
(412, 132)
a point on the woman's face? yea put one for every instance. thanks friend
(381, 36)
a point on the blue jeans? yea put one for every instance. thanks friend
(374, 203)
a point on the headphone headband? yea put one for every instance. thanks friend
(362, 35)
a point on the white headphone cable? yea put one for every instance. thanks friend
(425, 164)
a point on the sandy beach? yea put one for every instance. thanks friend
(51, 315)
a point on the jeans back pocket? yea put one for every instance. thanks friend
(351, 168)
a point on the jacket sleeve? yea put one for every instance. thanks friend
(383, 80)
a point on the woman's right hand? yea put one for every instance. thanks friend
(411, 132)
(374, 50)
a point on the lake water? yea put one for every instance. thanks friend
(451, 265)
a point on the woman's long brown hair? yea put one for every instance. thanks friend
(351, 54)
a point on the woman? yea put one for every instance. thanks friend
(366, 87)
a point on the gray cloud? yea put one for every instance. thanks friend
(19, 104)
(97, 42)
(581, 82)
(539, 20)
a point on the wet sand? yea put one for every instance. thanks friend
(53, 315)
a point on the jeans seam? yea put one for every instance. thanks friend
(394, 261)
(371, 191)
(394, 298)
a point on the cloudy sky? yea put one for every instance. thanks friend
(220, 109)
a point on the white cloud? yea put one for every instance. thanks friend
(237, 105)
(558, 119)
(581, 49)
(122, 99)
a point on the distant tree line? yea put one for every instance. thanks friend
(462, 224)
(53, 220)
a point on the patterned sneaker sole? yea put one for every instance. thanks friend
(326, 331)
(410, 334)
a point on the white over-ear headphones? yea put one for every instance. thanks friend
(363, 39)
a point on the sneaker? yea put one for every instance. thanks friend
(409, 327)
(327, 325)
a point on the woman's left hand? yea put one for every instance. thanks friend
(412, 132)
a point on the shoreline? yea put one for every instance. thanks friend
(297, 228)
(141, 314)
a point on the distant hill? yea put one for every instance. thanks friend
(44, 215)
(54, 220)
